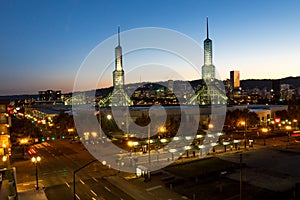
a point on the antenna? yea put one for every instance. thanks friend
(118, 35)
(207, 27)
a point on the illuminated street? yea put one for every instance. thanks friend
(58, 161)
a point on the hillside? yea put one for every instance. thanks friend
(267, 83)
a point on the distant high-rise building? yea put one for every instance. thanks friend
(171, 86)
(287, 92)
(208, 69)
(275, 91)
(235, 79)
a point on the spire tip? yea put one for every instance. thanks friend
(119, 35)
(207, 35)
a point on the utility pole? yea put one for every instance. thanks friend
(241, 176)
(149, 159)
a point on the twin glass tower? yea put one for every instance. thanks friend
(208, 94)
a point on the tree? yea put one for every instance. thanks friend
(24, 127)
(234, 118)
(62, 123)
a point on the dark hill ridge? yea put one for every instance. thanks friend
(18, 97)
(267, 83)
(245, 84)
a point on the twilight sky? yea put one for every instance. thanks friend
(43, 43)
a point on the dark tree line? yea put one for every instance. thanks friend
(24, 127)
(62, 123)
(234, 118)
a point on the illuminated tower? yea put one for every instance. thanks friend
(208, 69)
(118, 73)
(118, 97)
(212, 91)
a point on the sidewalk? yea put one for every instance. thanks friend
(157, 187)
(3, 190)
(140, 190)
(27, 191)
(128, 188)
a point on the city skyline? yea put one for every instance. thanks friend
(44, 46)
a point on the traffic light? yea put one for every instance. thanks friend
(53, 138)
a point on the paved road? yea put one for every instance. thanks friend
(58, 161)
(97, 188)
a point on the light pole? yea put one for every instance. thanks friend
(265, 131)
(149, 160)
(35, 160)
(74, 176)
(71, 132)
(241, 176)
(172, 152)
(295, 123)
(288, 129)
(200, 150)
(244, 124)
(161, 133)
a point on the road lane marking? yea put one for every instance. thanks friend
(154, 188)
(68, 185)
(95, 179)
(77, 196)
(82, 182)
(93, 193)
(107, 188)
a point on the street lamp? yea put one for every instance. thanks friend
(236, 143)
(200, 150)
(225, 144)
(265, 131)
(210, 126)
(109, 117)
(70, 131)
(295, 123)
(35, 160)
(243, 123)
(162, 129)
(4, 158)
(288, 128)
(172, 151)
(74, 176)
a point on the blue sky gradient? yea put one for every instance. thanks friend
(43, 43)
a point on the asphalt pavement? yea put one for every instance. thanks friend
(60, 158)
